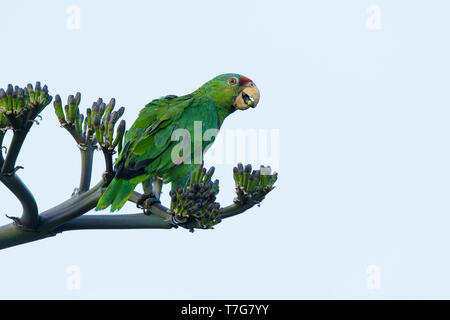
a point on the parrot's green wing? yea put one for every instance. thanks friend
(148, 144)
(155, 120)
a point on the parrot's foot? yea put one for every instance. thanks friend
(12, 172)
(146, 201)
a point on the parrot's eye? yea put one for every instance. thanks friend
(233, 81)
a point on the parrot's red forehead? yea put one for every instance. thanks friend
(243, 80)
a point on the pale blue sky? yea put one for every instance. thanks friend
(364, 122)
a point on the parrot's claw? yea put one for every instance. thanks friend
(146, 201)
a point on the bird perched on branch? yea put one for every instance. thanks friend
(150, 151)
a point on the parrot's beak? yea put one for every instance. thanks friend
(249, 97)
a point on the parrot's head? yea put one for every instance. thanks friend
(232, 91)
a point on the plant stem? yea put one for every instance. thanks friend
(11, 236)
(72, 208)
(235, 209)
(29, 216)
(108, 161)
(121, 221)
(13, 151)
(2, 136)
(87, 157)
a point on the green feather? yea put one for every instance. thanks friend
(123, 195)
(110, 194)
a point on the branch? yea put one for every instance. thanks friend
(68, 216)
(72, 208)
(138, 221)
(14, 149)
(120, 221)
(87, 158)
(108, 161)
(8, 177)
(2, 136)
(235, 209)
(161, 217)
(29, 218)
(11, 235)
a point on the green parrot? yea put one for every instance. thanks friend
(150, 151)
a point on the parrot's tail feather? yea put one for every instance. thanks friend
(124, 193)
(117, 193)
(110, 193)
